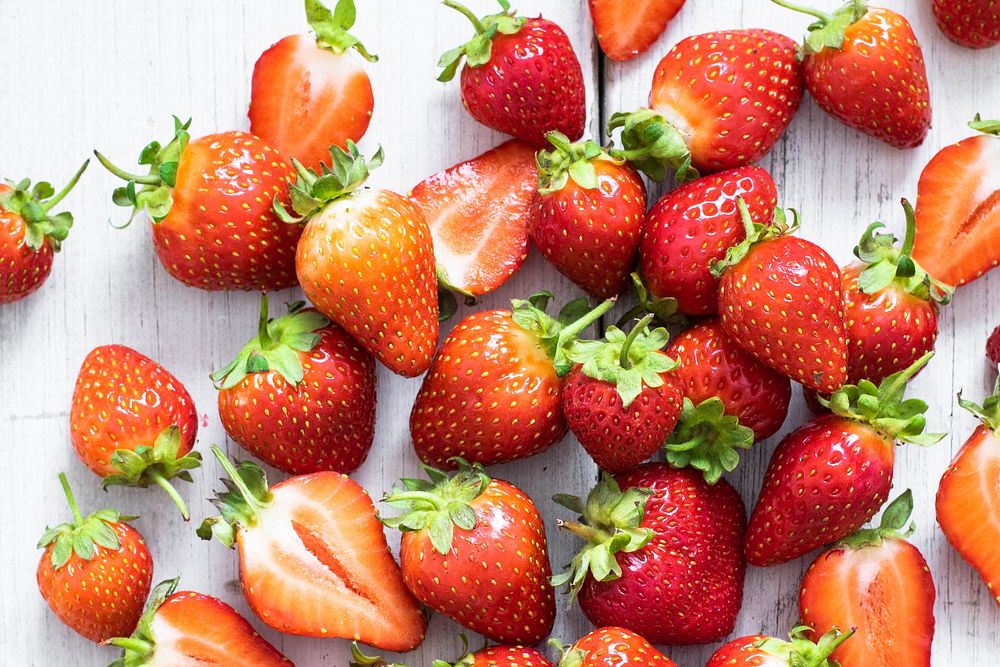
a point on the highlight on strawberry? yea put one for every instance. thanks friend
(610, 646)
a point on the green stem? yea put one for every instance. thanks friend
(164, 484)
(237, 480)
(133, 644)
(834, 645)
(745, 218)
(69, 186)
(571, 330)
(899, 381)
(823, 16)
(424, 496)
(582, 530)
(265, 338)
(77, 517)
(911, 229)
(148, 179)
(633, 313)
(624, 360)
(465, 11)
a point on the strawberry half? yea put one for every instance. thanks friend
(612, 646)
(971, 23)
(626, 30)
(764, 651)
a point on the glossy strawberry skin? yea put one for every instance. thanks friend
(591, 235)
(971, 23)
(744, 652)
(993, 347)
(509, 656)
(612, 646)
(22, 270)
(693, 225)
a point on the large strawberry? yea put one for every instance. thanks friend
(831, 475)
(300, 395)
(719, 100)
(491, 656)
(624, 30)
(313, 557)
(587, 215)
(30, 234)
(309, 92)
(474, 549)
(613, 646)
(864, 66)
(493, 393)
(971, 23)
(132, 422)
(663, 555)
(209, 201)
(95, 572)
(764, 651)
(366, 260)
(521, 76)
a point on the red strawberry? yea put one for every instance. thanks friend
(626, 30)
(968, 498)
(694, 225)
(864, 66)
(493, 393)
(718, 101)
(831, 475)
(530, 61)
(663, 557)
(209, 201)
(132, 422)
(958, 208)
(621, 400)
(313, 557)
(780, 300)
(474, 549)
(764, 651)
(29, 236)
(993, 347)
(587, 215)
(366, 261)
(300, 395)
(613, 647)
(879, 583)
(95, 572)
(477, 211)
(971, 23)
(492, 656)
(187, 628)
(310, 92)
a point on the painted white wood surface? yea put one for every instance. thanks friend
(109, 73)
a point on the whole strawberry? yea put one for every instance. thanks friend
(993, 348)
(300, 395)
(971, 23)
(29, 235)
(586, 217)
(663, 555)
(613, 647)
(764, 651)
(474, 549)
(530, 61)
(95, 572)
(491, 656)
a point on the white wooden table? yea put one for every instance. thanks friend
(108, 74)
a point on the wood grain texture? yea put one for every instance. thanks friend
(107, 74)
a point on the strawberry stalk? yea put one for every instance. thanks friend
(991, 127)
(33, 204)
(828, 30)
(240, 504)
(139, 648)
(989, 412)
(664, 309)
(892, 524)
(801, 652)
(755, 232)
(556, 335)
(652, 145)
(332, 28)
(477, 50)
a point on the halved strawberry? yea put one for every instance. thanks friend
(626, 29)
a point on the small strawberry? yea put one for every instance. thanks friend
(528, 61)
(587, 215)
(491, 656)
(831, 475)
(626, 30)
(764, 651)
(95, 572)
(366, 260)
(132, 422)
(209, 202)
(993, 347)
(29, 235)
(663, 557)
(971, 23)
(300, 395)
(474, 549)
(493, 393)
(309, 92)
(612, 646)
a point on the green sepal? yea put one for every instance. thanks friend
(707, 439)
(989, 412)
(448, 293)
(332, 28)
(828, 31)
(245, 495)
(572, 658)
(756, 232)
(985, 126)
(652, 145)
(570, 160)
(359, 659)
(35, 203)
(663, 309)
(138, 649)
(801, 652)
(892, 524)
(556, 335)
(478, 49)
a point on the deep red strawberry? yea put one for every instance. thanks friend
(971, 23)
(764, 651)
(300, 395)
(626, 30)
(491, 656)
(613, 647)
(993, 347)
(527, 60)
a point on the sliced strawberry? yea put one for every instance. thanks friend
(626, 29)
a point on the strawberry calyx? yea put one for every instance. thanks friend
(801, 652)
(556, 335)
(477, 50)
(652, 144)
(34, 205)
(570, 160)
(989, 412)
(332, 28)
(245, 496)
(756, 233)
(707, 439)
(663, 309)
(610, 523)
(828, 31)
(138, 649)
(155, 465)
(84, 534)
(891, 525)
(360, 659)
(991, 127)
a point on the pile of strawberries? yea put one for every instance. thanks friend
(753, 306)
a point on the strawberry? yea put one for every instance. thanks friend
(493, 393)
(477, 211)
(530, 61)
(763, 651)
(474, 549)
(29, 235)
(694, 225)
(366, 260)
(132, 422)
(699, 121)
(491, 656)
(971, 23)
(621, 400)
(313, 557)
(968, 500)
(958, 208)
(613, 647)
(731, 400)
(300, 395)
(864, 66)
(209, 201)
(663, 557)
(762, 277)
(879, 583)
(188, 628)
(832, 474)
(587, 215)
(95, 572)
(993, 347)
(309, 92)
(625, 31)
